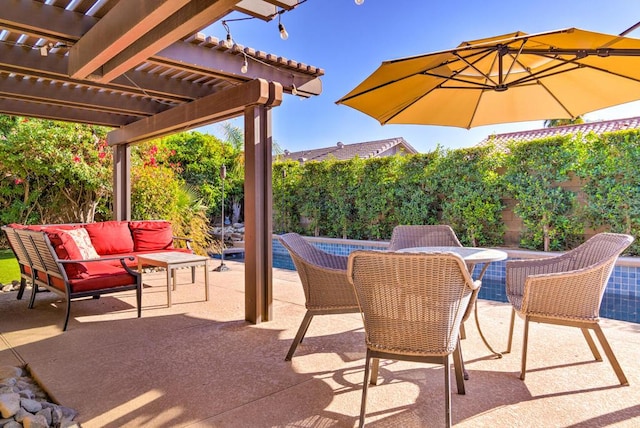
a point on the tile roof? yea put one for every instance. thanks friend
(598, 128)
(341, 151)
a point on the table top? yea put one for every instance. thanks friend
(172, 257)
(469, 254)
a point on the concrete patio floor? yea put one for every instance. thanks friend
(199, 364)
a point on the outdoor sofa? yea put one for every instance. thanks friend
(88, 259)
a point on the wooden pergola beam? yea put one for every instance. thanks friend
(28, 62)
(41, 20)
(13, 106)
(212, 108)
(194, 16)
(119, 28)
(55, 93)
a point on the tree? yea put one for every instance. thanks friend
(67, 175)
(552, 123)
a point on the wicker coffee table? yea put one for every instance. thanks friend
(172, 261)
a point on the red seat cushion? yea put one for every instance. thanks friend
(151, 235)
(110, 237)
(100, 276)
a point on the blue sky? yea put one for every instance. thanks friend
(349, 42)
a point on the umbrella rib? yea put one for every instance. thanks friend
(385, 121)
(472, 65)
(483, 54)
(515, 59)
(545, 73)
(391, 82)
(478, 85)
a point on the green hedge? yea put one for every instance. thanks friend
(466, 188)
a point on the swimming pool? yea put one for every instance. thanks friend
(621, 300)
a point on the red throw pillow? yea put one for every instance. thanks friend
(110, 237)
(66, 249)
(151, 235)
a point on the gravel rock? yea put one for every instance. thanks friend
(35, 421)
(31, 406)
(24, 404)
(9, 404)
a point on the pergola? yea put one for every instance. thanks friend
(141, 67)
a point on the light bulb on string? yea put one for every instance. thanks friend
(294, 90)
(283, 31)
(245, 66)
(229, 42)
(359, 2)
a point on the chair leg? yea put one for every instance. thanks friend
(301, 332)
(591, 343)
(447, 391)
(34, 290)
(139, 300)
(374, 371)
(525, 338)
(609, 353)
(463, 333)
(365, 385)
(458, 367)
(511, 325)
(66, 318)
(23, 285)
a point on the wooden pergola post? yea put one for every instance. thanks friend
(257, 208)
(122, 182)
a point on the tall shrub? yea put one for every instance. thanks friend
(200, 157)
(374, 198)
(286, 201)
(158, 192)
(341, 194)
(470, 191)
(312, 195)
(53, 172)
(414, 199)
(534, 171)
(611, 179)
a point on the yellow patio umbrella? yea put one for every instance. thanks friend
(515, 77)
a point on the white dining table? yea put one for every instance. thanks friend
(472, 256)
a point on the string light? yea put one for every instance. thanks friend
(294, 90)
(359, 2)
(228, 43)
(283, 32)
(245, 66)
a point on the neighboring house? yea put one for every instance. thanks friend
(597, 128)
(341, 151)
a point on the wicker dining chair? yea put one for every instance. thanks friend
(412, 305)
(324, 279)
(407, 236)
(566, 290)
(431, 235)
